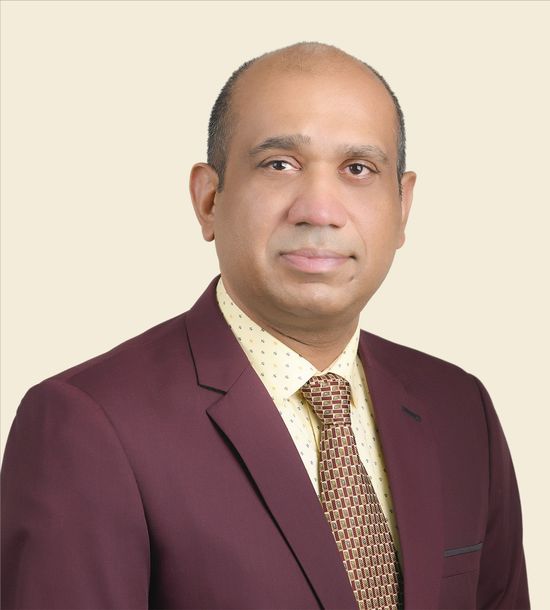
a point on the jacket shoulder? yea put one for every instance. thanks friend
(384, 348)
(416, 368)
(133, 358)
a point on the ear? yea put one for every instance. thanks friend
(203, 184)
(407, 187)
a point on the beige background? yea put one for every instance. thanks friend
(105, 108)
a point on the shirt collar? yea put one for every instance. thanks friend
(282, 370)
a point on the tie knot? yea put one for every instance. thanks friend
(329, 395)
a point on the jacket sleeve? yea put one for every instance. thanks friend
(503, 578)
(74, 530)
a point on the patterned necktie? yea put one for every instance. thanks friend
(351, 507)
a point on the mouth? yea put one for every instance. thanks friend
(311, 260)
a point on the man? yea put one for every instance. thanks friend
(258, 451)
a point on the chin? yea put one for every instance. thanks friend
(320, 300)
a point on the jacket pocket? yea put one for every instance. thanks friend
(463, 550)
(461, 559)
(460, 575)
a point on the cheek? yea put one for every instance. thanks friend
(378, 229)
(379, 226)
(243, 230)
(251, 214)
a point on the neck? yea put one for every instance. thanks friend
(319, 343)
(321, 348)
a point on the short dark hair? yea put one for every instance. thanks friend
(219, 126)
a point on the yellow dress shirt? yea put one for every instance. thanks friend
(283, 372)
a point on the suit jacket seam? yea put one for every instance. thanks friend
(489, 457)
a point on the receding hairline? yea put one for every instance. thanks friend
(306, 57)
(309, 58)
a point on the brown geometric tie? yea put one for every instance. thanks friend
(351, 507)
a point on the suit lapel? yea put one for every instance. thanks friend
(249, 419)
(414, 477)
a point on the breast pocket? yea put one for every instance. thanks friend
(460, 575)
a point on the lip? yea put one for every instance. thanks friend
(311, 260)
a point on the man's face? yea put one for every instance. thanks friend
(310, 215)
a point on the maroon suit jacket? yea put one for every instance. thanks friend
(161, 475)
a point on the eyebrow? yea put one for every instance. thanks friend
(365, 150)
(295, 141)
(291, 142)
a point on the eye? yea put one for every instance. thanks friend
(278, 165)
(359, 169)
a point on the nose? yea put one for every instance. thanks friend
(318, 202)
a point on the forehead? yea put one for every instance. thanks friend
(330, 104)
